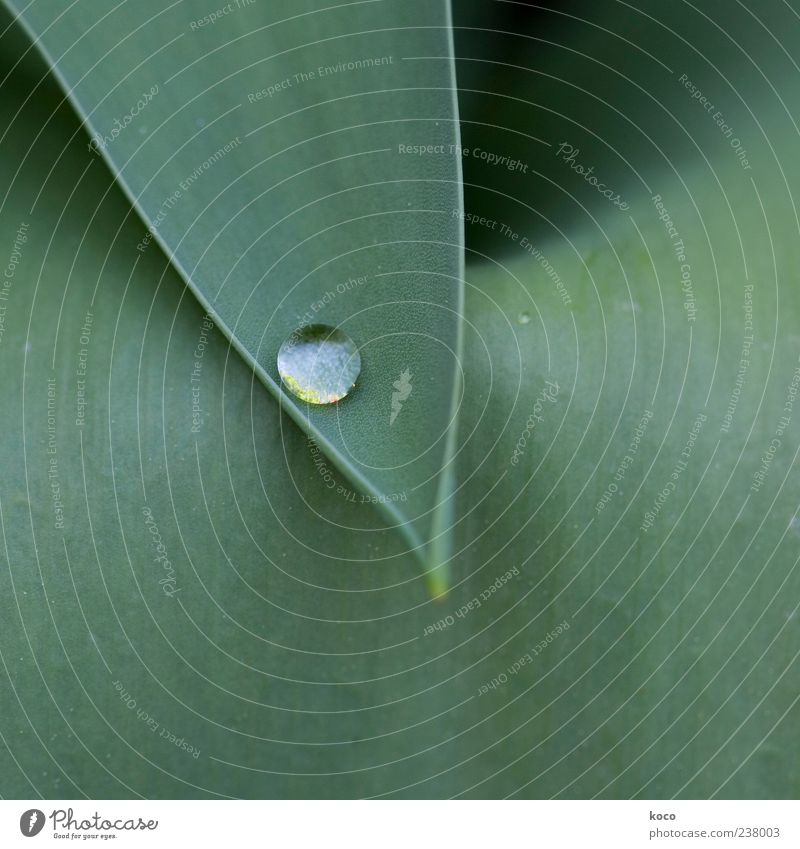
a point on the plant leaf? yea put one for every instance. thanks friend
(291, 670)
(265, 145)
(650, 503)
(213, 619)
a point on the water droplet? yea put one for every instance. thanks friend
(319, 364)
(523, 318)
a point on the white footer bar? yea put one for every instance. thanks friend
(402, 824)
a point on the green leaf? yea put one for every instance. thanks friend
(213, 619)
(652, 500)
(267, 147)
(289, 641)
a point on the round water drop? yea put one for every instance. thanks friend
(319, 364)
(523, 318)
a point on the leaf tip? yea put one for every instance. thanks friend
(438, 584)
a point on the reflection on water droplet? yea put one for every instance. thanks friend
(319, 364)
(523, 318)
